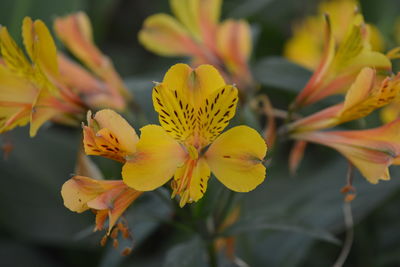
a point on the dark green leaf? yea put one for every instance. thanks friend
(188, 254)
(280, 73)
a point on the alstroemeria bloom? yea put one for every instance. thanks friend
(48, 85)
(371, 151)
(29, 88)
(105, 90)
(197, 33)
(368, 93)
(108, 135)
(306, 45)
(339, 67)
(194, 107)
(109, 199)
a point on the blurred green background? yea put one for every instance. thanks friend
(288, 221)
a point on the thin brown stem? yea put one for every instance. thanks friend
(348, 219)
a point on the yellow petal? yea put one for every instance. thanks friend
(157, 157)
(216, 112)
(13, 116)
(195, 84)
(306, 46)
(79, 190)
(13, 56)
(191, 106)
(375, 38)
(355, 51)
(127, 137)
(199, 180)
(176, 115)
(235, 158)
(163, 35)
(43, 109)
(109, 135)
(14, 88)
(190, 181)
(40, 46)
(366, 96)
(361, 88)
(390, 112)
(187, 11)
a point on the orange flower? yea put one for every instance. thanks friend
(197, 33)
(306, 45)
(75, 32)
(368, 93)
(107, 198)
(49, 86)
(30, 91)
(109, 135)
(338, 68)
(371, 151)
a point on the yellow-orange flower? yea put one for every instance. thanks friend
(29, 91)
(106, 89)
(368, 93)
(306, 45)
(372, 151)
(194, 107)
(338, 68)
(109, 135)
(197, 33)
(48, 85)
(109, 199)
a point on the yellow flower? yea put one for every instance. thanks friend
(107, 198)
(194, 107)
(197, 33)
(338, 68)
(368, 93)
(29, 91)
(392, 111)
(75, 31)
(48, 85)
(371, 151)
(306, 45)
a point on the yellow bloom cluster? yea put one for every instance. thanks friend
(347, 64)
(48, 85)
(194, 107)
(197, 33)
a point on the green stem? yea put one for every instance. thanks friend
(212, 255)
(225, 209)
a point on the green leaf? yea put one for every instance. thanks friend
(313, 199)
(30, 198)
(254, 224)
(188, 254)
(13, 11)
(278, 72)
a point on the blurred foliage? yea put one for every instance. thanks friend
(288, 221)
